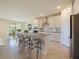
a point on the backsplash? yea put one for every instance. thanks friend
(55, 30)
(51, 30)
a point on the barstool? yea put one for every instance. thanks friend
(21, 41)
(35, 44)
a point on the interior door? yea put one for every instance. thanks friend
(75, 37)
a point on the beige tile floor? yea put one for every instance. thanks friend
(55, 51)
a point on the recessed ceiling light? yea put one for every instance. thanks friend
(32, 17)
(58, 7)
(42, 14)
(70, 9)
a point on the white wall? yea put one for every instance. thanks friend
(76, 7)
(65, 26)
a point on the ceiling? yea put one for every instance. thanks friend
(22, 10)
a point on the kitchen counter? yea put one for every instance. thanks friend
(52, 36)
